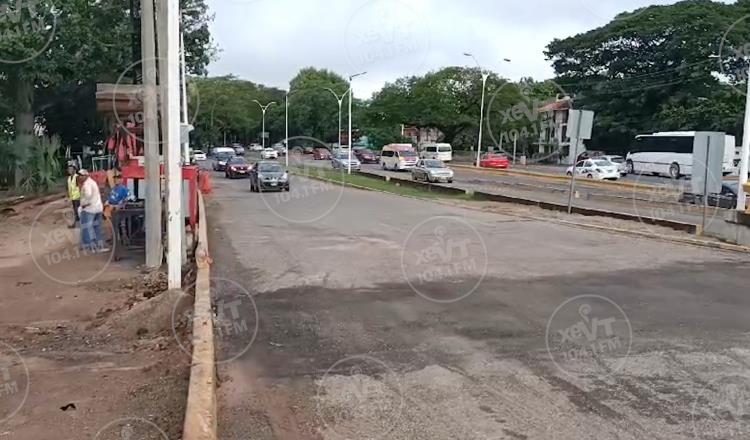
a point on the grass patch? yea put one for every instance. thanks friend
(377, 184)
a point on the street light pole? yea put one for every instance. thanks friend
(351, 93)
(340, 100)
(744, 152)
(485, 75)
(263, 109)
(286, 129)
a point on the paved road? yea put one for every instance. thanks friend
(382, 317)
(659, 202)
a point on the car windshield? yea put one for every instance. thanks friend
(269, 168)
(408, 153)
(197, 152)
(224, 156)
(434, 164)
(602, 163)
(616, 159)
(444, 149)
(343, 156)
(237, 161)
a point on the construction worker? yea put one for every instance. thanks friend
(74, 193)
(91, 214)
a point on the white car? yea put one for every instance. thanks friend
(596, 168)
(269, 153)
(255, 147)
(199, 155)
(432, 170)
(619, 161)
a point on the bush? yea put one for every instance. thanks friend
(42, 168)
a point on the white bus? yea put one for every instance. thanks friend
(670, 153)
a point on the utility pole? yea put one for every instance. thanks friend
(744, 152)
(183, 90)
(169, 72)
(286, 128)
(152, 171)
(351, 94)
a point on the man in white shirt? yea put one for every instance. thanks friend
(91, 213)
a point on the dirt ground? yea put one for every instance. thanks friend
(87, 348)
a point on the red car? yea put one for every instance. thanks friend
(494, 161)
(236, 167)
(321, 154)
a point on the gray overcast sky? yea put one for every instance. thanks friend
(268, 41)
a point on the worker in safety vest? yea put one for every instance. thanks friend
(74, 193)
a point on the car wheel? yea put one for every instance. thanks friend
(382, 164)
(674, 171)
(629, 168)
(589, 176)
(569, 174)
(450, 180)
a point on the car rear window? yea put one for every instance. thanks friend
(445, 149)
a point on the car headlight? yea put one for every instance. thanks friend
(284, 176)
(260, 176)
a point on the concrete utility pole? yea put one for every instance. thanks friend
(154, 249)
(744, 152)
(168, 22)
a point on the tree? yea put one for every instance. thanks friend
(66, 46)
(652, 71)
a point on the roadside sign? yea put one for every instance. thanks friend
(264, 134)
(708, 155)
(586, 120)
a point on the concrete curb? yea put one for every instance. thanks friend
(672, 239)
(201, 409)
(557, 177)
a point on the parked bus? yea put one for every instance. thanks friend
(670, 154)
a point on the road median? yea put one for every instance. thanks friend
(428, 189)
(556, 177)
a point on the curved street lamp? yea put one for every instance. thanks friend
(263, 108)
(340, 100)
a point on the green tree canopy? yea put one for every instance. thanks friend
(654, 70)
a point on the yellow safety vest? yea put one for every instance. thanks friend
(73, 192)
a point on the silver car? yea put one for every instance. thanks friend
(432, 170)
(340, 160)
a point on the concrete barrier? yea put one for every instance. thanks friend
(687, 227)
(201, 409)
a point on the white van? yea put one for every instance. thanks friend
(442, 152)
(398, 157)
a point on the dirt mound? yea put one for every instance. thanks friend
(149, 311)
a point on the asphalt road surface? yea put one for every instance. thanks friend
(381, 317)
(658, 201)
